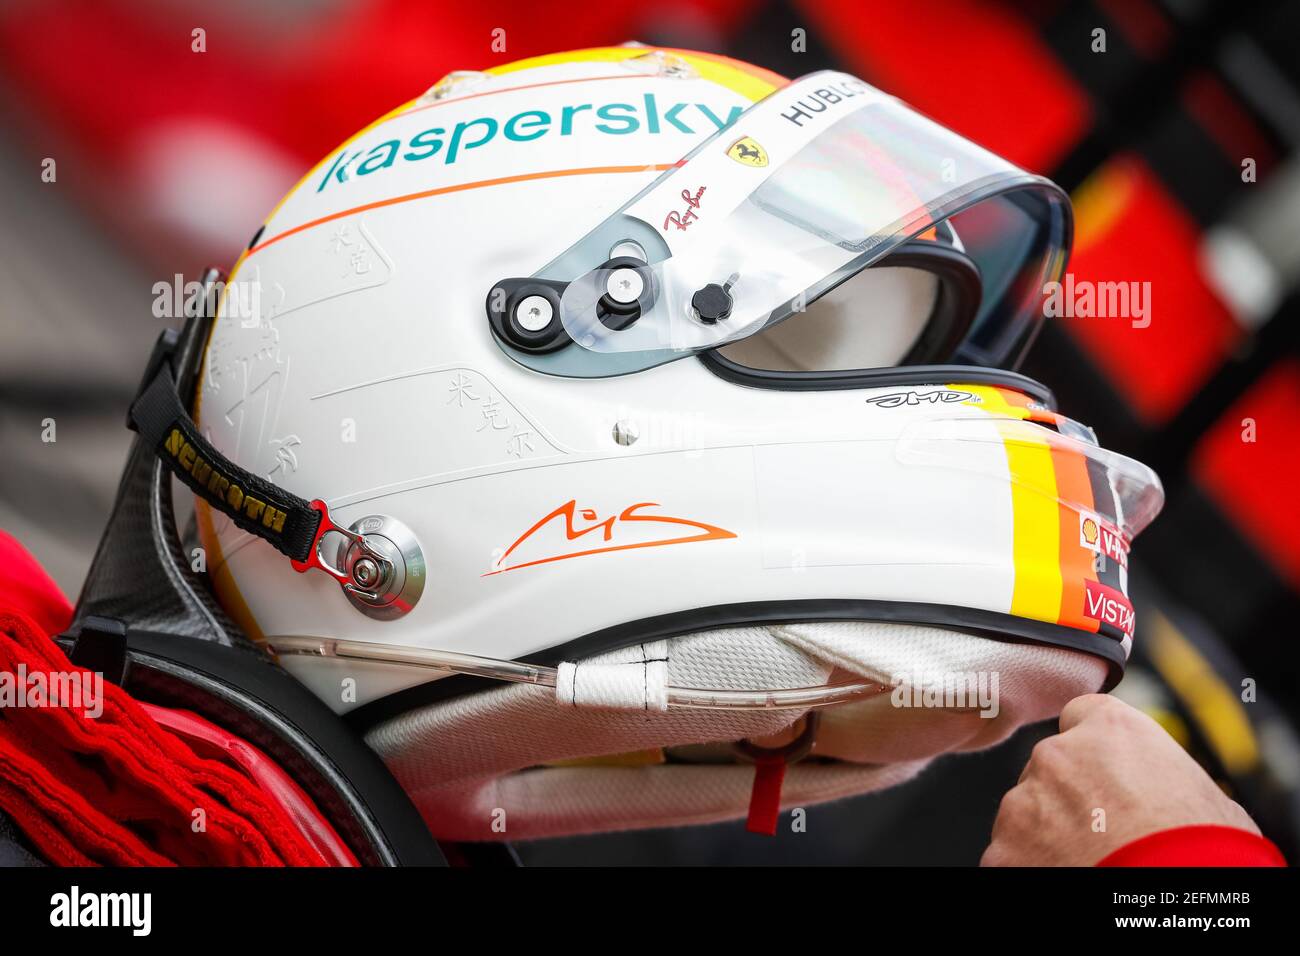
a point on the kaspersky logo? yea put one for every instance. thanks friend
(449, 146)
(561, 535)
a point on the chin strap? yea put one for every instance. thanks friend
(292, 525)
(765, 796)
(769, 773)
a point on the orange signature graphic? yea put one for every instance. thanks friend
(608, 529)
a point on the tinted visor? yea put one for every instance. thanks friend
(810, 186)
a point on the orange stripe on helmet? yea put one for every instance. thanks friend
(1073, 485)
(462, 187)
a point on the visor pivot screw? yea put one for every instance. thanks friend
(712, 303)
(627, 291)
(625, 432)
(523, 314)
(625, 286)
(534, 313)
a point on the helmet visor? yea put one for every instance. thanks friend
(810, 186)
(1125, 494)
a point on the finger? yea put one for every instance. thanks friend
(1077, 710)
(992, 856)
(1034, 755)
(1013, 811)
(1025, 772)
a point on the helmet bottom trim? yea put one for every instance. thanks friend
(995, 625)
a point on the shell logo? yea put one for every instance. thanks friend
(1090, 531)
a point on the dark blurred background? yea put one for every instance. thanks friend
(1179, 144)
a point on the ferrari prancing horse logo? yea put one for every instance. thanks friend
(747, 152)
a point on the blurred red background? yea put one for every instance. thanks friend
(1178, 142)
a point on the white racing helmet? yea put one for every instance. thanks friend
(599, 395)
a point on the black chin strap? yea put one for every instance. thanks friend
(289, 523)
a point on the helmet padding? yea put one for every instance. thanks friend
(489, 758)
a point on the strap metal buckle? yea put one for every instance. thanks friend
(346, 579)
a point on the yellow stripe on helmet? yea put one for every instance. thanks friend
(1036, 535)
(751, 82)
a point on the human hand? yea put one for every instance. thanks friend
(1110, 776)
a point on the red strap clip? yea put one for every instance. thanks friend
(316, 560)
